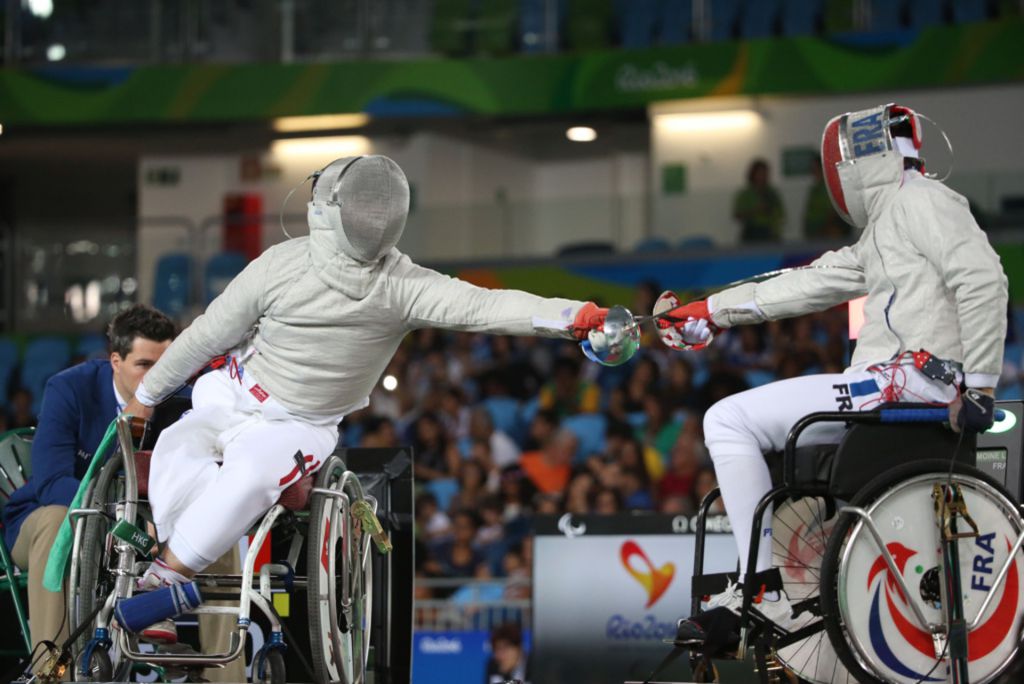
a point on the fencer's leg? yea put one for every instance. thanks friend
(259, 463)
(741, 428)
(742, 475)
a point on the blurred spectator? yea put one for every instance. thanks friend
(745, 347)
(684, 463)
(607, 502)
(548, 504)
(504, 451)
(515, 491)
(508, 660)
(459, 557)
(660, 430)
(703, 483)
(758, 207)
(542, 427)
(679, 394)
(19, 410)
(492, 528)
(567, 394)
(642, 383)
(472, 478)
(430, 450)
(821, 222)
(646, 294)
(432, 524)
(677, 505)
(549, 468)
(454, 413)
(379, 432)
(635, 487)
(620, 436)
(579, 492)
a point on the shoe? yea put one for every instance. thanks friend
(780, 612)
(731, 599)
(163, 633)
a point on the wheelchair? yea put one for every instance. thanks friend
(899, 557)
(326, 514)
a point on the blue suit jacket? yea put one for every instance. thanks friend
(78, 405)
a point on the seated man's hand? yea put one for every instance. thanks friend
(589, 317)
(973, 411)
(137, 409)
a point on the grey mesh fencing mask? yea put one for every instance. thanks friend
(365, 201)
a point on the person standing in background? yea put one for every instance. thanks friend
(821, 222)
(758, 207)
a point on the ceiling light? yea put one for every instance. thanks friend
(40, 8)
(339, 146)
(581, 134)
(321, 122)
(56, 52)
(702, 122)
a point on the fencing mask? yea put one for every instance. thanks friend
(885, 134)
(365, 202)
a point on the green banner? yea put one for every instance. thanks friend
(523, 85)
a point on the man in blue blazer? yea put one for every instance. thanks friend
(78, 405)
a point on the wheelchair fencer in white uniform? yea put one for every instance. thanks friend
(934, 324)
(309, 327)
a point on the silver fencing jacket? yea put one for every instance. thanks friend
(323, 326)
(931, 278)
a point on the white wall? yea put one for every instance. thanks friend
(470, 201)
(983, 124)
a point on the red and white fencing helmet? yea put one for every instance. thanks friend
(884, 132)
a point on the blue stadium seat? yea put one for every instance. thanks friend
(589, 430)
(924, 13)
(220, 270)
(528, 411)
(723, 18)
(674, 20)
(758, 18)
(9, 357)
(91, 346)
(800, 17)
(885, 15)
(965, 11)
(637, 19)
(652, 245)
(172, 286)
(697, 242)
(44, 356)
(757, 377)
(504, 412)
(443, 490)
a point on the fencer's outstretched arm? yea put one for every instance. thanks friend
(939, 224)
(837, 277)
(428, 299)
(227, 321)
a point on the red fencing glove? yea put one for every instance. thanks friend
(683, 326)
(681, 315)
(589, 317)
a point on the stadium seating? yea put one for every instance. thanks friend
(968, 10)
(589, 429)
(220, 270)
(922, 13)
(44, 356)
(637, 19)
(800, 17)
(172, 287)
(91, 346)
(652, 245)
(759, 18)
(674, 22)
(724, 14)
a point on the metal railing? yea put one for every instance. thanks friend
(471, 604)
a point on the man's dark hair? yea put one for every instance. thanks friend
(138, 321)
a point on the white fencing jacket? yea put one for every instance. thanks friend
(323, 326)
(931, 278)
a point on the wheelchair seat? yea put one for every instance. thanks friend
(294, 498)
(867, 450)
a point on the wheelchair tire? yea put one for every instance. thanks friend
(273, 669)
(911, 479)
(339, 649)
(90, 583)
(99, 666)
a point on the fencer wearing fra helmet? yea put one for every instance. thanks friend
(934, 317)
(304, 334)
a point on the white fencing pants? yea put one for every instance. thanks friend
(216, 471)
(741, 428)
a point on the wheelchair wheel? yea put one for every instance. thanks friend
(99, 666)
(800, 532)
(339, 627)
(870, 622)
(95, 580)
(273, 669)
